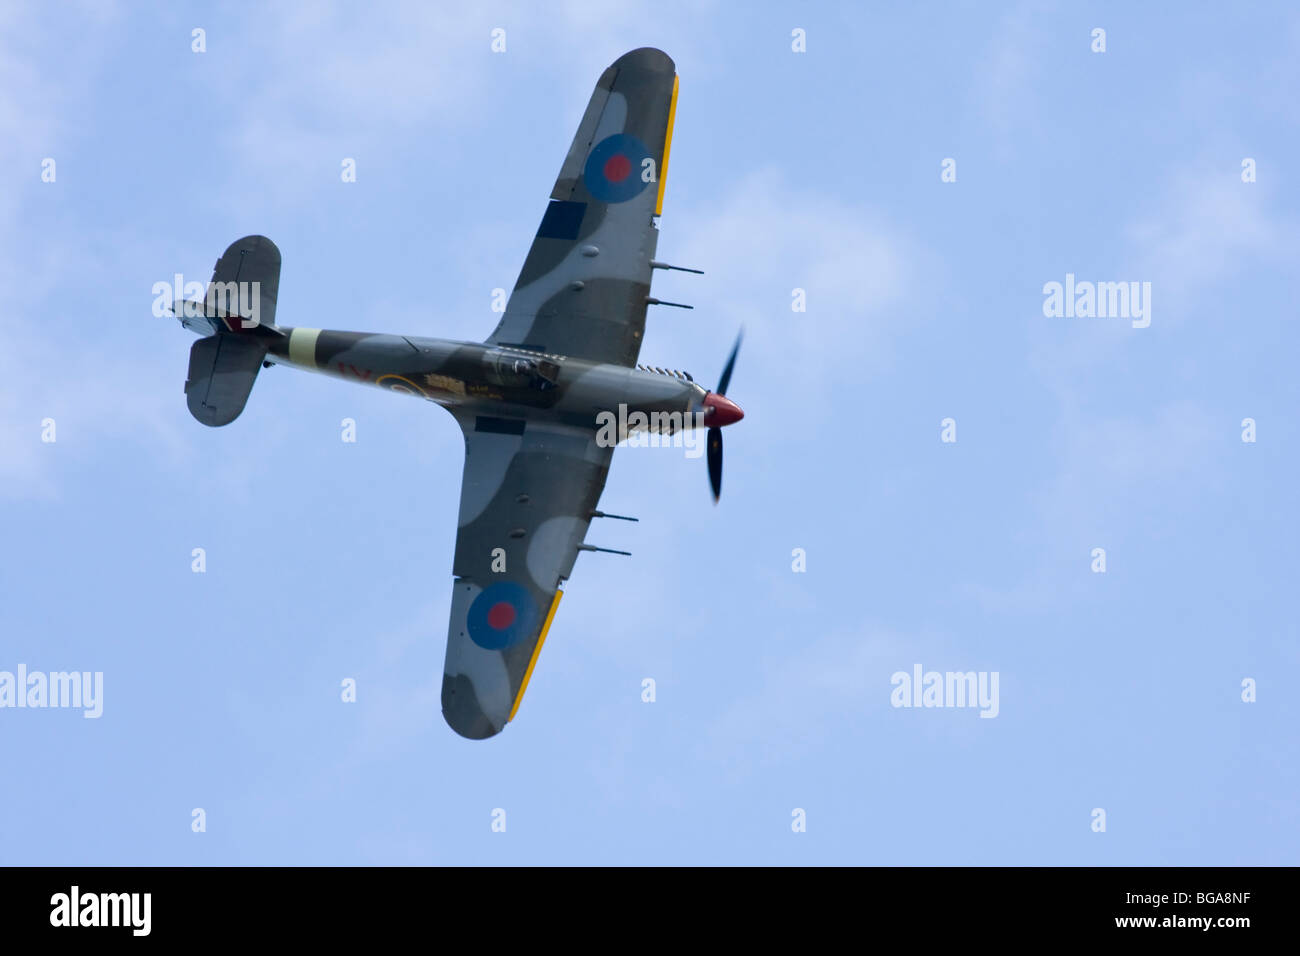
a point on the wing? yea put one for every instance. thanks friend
(583, 287)
(525, 502)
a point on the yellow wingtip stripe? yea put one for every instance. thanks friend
(668, 145)
(541, 639)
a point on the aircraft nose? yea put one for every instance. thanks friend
(720, 410)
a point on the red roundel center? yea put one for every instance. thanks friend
(617, 167)
(501, 615)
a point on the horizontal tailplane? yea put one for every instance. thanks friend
(223, 369)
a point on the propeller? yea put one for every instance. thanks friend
(722, 411)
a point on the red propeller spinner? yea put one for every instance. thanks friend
(721, 411)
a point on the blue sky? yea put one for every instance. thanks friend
(817, 170)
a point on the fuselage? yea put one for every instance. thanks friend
(474, 378)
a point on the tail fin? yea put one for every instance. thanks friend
(241, 296)
(247, 276)
(239, 309)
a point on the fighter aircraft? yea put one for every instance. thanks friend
(531, 400)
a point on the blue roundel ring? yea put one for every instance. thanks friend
(503, 614)
(613, 170)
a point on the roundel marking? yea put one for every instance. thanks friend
(612, 173)
(503, 614)
(617, 167)
(399, 383)
(500, 616)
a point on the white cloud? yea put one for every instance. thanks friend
(816, 688)
(765, 238)
(1208, 226)
(1004, 85)
(1114, 478)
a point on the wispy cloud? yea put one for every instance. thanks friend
(766, 237)
(1113, 476)
(1208, 226)
(808, 690)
